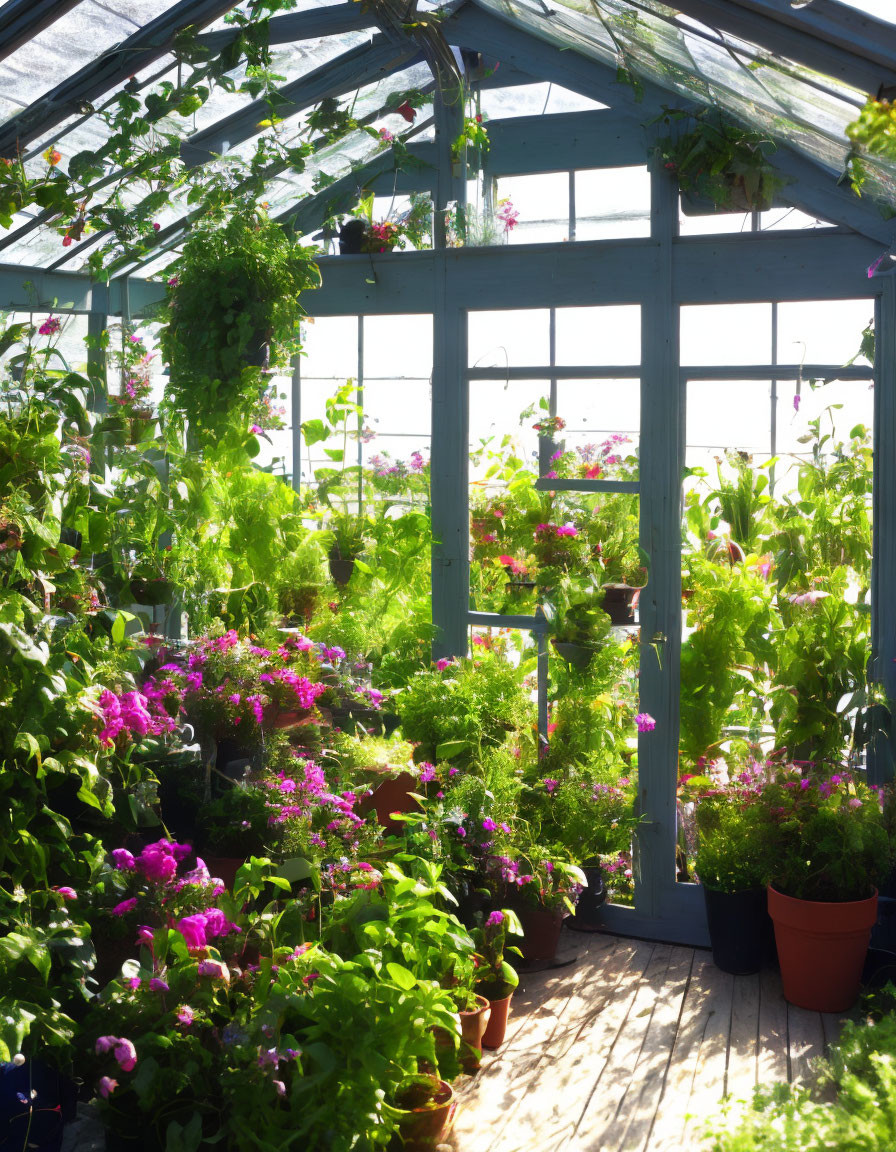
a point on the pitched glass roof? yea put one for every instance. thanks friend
(678, 50)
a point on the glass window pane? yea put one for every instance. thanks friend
(726, 334)
(517, 338)
(612, 203)
(599, 335)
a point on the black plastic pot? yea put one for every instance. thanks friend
(618, 603)
(591, 900)
(738, 928)
(577, 655)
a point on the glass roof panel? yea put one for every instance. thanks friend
(792, 104)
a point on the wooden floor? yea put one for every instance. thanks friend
(631, 1049)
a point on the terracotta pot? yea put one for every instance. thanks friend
(472, 1029)
(821, 948)
(224, 867)
(424, 1127)
(541, 932)
(493, 1036)
(393, 795)
(619, 602)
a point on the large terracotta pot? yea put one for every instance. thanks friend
(423, 1127)
(541, 932)
(493, 1036)
(393, 794)
(473, 1024)
(821, 948)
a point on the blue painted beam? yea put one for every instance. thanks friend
(22, 20)
(544, 484)
(332, 20)
(555, 143)
(99, 76)
(828, 38)
(559, 372)
(348, 72)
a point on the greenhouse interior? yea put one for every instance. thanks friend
(447, 507)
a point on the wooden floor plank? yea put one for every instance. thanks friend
(805, 1041)
(575, 1057)
(595, 1126)
(509, 1076)
(667, 1134)
(634, 1119)
(708, 1087)
(743, 1043)
(771, 1056)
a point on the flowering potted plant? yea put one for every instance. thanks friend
(734, 862)
(495, 978)
(541, 890)
(832, 843)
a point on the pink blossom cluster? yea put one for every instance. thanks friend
(132, 716)
(201, 927)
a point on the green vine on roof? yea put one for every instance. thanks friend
(874, 134)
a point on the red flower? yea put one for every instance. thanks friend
(405, 110)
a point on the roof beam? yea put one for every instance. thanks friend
(22, 20)
(295, 26)
(353, 69)
(97, 77)
(827, 37)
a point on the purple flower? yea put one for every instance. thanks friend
(427, 772)
(645, 722)
(550, 785)
(106, 1086)
(157, 985)
(125, 906)
(126, 1055)
(796, 401)
(214, 968)
(488, 824)
(461, 831)
(495, 918)
(132, 982)
(122, 859)
(105, 1044)
(185, 1015)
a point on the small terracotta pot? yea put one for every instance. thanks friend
(493, 1037)
(821, 948)
(423, 1128)
(472, 1029)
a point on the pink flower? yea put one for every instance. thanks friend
(280, 1087)
(567, 530)
(156, 226)
(796, 402)
(550, 785)
(50, 326)
(488, 824)
(106, 1086)
(427, 772)
(443, 663)
(386, 136)
(105, 1044)
(645, 722)
(126, 1055)
(66, 893)
(145, 935)
(125, 906)
(855, 802)
(157, 861)
(495, 918)
(132, 982)
(192, 928)
(122, 859)
(185, 1015)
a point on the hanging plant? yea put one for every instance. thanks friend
(715, 160)
(233, 317)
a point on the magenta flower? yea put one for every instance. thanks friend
(107, 1086)
(126, 1055)
(550, 785)
(185, 1015)
(158, 985)
(488, 824)
(461, 831)
(157, 861)
(567, 530)
(122, 859)
(386, 136)
(645, 722)
(132, 982)
(192, 928)
(105, 1044)
(125, 906)
(796, 401)
(66, 893)
(427, 772)
(495, 918)
(50, 326)
(145, 935)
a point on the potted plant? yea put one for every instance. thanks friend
(542, 891)
(348, 531)
(577, 622)
(495, 979)
(831, 848)
(733, 862)
(233, 315)
(425, 1108)
(719, 165)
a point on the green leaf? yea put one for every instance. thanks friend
(451, 748)
(404, 978)
(118, 629)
